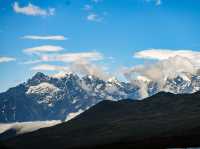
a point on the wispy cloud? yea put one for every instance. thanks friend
(94, 17)
(90, 68)
(87, 7)
(33, 10)
(157, 2)
(96, 1)
(47, 67)
(25, 127)
(35, 37)
(43, 49)
(84, 63)
(66, 57)
(4, 59)
(31, 62)
(73, 57)
(79, 67)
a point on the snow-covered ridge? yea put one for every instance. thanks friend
(114, 80)
(43, 87)
(45, 93)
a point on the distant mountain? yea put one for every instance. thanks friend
(51, 98)
(61, 97)
(161, 121)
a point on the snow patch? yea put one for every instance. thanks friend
(42, 88)
(114, 80)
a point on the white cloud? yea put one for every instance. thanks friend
(44, 48)
(163, 69)
(87, 7)
(4, 59)
(96, 1)
(94, 17)
(34, 37)
(89, 68)
(82, 68)
(73, 57)
(159, 72)
(25, 127)
(31, 62)
(47, 67)
(169, 64)
(157, 2)
(83, 63)
(33, 10)
(163, 54)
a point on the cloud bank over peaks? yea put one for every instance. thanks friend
(83, 63)
(81, 67)
(163, 54)
(163, 69)
(169, 64)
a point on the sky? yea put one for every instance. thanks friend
(98, 37)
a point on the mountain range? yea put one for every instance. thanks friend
(164, 120)
(46, 97)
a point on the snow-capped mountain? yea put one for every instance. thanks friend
(182, 83)
(58, 98)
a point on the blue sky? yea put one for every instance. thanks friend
(106, 33)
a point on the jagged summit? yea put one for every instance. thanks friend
(60, 75)
(39, 75)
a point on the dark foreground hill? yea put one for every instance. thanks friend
(163, 120)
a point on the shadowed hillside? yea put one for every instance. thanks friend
(163, 120)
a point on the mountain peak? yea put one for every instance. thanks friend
(114, 80)
(39, 75)
(61, 75)
(37, 78)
